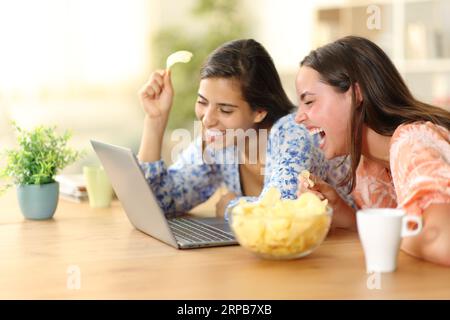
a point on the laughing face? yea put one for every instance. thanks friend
(324, 111)
(221, 109)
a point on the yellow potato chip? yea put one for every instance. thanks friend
(270, 197)
(178, 56)
(250, 231)
(308, 203)
(306, 175)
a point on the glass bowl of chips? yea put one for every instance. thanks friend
(275, 228)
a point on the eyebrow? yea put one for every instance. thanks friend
(221, 104)
(304, 94)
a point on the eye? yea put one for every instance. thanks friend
(308, 102)
(227, 111)
(203, 103)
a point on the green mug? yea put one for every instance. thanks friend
(99, 188)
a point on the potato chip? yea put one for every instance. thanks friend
(306, 175)
(178, 56)
(270, 197)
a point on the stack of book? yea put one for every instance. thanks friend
(72, 187)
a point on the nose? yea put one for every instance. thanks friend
(300, 116)
(209, 118)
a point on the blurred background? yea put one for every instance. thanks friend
(78, 64)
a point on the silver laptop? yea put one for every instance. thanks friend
(180, 231)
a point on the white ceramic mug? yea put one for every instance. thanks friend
(381, 231)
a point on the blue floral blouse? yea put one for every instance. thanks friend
(290, 149)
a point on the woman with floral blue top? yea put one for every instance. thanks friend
(240, 91)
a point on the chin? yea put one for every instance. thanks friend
(218, 145)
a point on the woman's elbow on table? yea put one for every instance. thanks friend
(433, 243)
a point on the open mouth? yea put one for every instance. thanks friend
(322, 134)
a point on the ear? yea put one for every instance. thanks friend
(358, 94)
(260, 115)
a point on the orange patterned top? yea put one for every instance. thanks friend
(419, 172)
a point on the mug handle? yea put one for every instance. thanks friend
(406, 232)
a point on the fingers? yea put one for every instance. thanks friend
(308, 183)
(154, 86)
(231, 195)
(324, 190)
(228, 197)
(158, 76)
(318, 193)
(167, 79)
(224, 192)
(317, 189)
(303, 185)
(316, 179)
(319, 184)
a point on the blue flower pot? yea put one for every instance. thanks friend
(38, 201)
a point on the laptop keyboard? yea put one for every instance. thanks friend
(195, 231)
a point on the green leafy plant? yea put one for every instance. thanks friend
(41, 153)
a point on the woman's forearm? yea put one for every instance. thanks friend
(344, 216)
(152, 139)
(433, 243)
(156, 98)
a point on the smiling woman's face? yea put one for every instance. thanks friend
(220, 106)
(325, 111)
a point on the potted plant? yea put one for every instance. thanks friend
(32, 167)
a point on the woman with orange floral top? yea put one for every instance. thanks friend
(351, 95)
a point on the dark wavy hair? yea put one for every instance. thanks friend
(248, 62)
(386, 100)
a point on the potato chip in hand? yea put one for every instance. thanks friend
(306, 175)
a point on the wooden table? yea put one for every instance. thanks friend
(39, 259)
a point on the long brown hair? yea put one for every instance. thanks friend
(386, 100)
(247, 61)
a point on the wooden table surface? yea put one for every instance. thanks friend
(111, 260)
